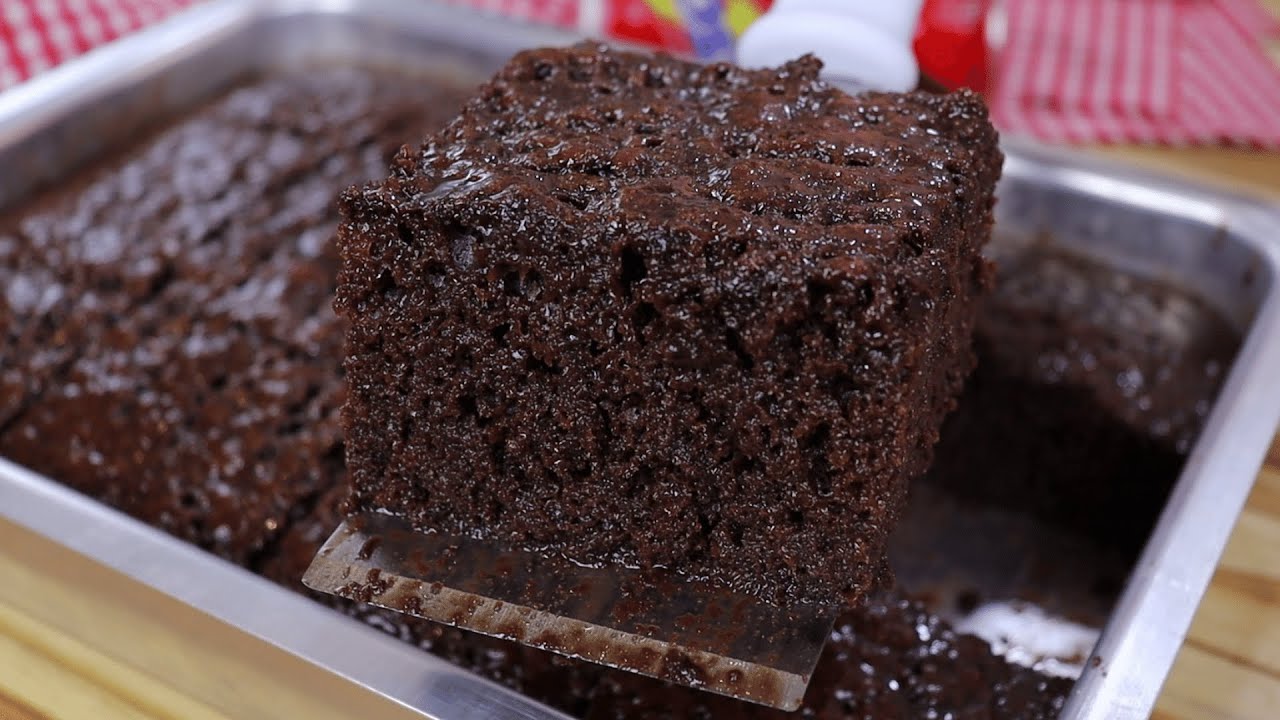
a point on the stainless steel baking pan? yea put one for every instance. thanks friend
(299, 655)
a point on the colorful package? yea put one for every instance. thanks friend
(704, 28)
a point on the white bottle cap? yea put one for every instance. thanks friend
(863, 44)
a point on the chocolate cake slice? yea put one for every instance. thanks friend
(635, 310)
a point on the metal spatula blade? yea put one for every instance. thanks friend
(651, 623)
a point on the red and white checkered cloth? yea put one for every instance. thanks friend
(38, 34)
(1144, 71)
(1174, 72)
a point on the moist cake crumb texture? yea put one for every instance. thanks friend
(639, 311)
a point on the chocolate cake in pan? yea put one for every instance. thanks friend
(212, 324)
(170, 346)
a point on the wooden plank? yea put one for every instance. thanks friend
(1207, 686)
(1265, 498)
(133, 634)
(1236, 621)
(60, 675)
(54, 690)
(1235, 169)
(1253, 546)
(11, 709)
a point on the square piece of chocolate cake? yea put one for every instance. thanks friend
(634, 310)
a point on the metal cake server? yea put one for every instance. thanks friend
(648, 622)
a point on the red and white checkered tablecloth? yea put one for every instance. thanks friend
(1143, 71)
(36, 35)
(1174, 72)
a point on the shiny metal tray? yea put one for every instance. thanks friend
(281, 650)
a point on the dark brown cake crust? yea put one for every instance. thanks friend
(171, 349)
(640, 311)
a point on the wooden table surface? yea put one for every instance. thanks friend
(1229, 667)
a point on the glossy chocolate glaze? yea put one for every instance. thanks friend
(640, 311)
